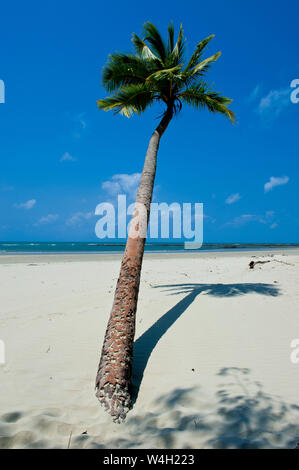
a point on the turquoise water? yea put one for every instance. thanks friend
(94, 247)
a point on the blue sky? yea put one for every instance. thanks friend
(60, 154)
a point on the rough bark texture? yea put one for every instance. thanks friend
(114, 372)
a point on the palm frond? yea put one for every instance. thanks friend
(196, 56)
(143, 50)
(123, 69)
(153, 37)
(176, 56)
(128, 100)
(163, 74)
(201, 96)
(170, 38)
(201, 68)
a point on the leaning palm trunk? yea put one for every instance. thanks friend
(114, 372)
(156, 73)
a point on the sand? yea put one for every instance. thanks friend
(212, 355)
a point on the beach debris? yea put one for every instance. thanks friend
(193, 370)
(283, 262)
(253, 263)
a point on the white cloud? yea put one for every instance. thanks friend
(254, 94)
(209, 218)
(274, 102)
(67, 157)
(122, 184)
(244, 219)
(233, 198)
(47, 219)
(78, 217)
(273, 225)
(275, 181)
(81, 125)
(26, 205)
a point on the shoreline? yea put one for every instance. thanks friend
(11, 258)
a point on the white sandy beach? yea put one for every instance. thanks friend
(212, 343)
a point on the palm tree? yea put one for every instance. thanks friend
(155, 73)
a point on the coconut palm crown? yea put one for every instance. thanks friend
(158, 72)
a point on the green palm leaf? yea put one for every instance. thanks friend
(143, 50)
(201, 68)
(122, 69)
(128, 100)
(177, 55)
(170, 39)
(196, 56)
(201, 96)
(153, 37)
(163, 74)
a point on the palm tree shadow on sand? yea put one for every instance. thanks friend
(145, 344)
(241, 414)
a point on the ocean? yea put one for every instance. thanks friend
(101, 247)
